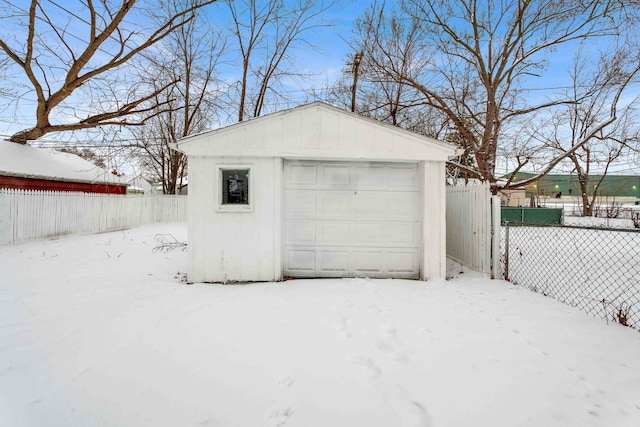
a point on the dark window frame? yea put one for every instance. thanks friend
(234, 188)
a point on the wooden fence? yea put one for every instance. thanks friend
(472, 235)
(30, 215)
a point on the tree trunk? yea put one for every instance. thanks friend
(587, 206)
(24, 136)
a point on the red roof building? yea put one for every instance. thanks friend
(30, 168)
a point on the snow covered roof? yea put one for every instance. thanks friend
(45, 163)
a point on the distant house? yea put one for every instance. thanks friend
(315, 191)
(138, 184)
(513, 197)
(182, 186)
(30, 168)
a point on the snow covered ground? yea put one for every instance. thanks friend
(580, 267)
(590, 221)
(101, 331)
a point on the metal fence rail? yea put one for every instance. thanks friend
(594, 269)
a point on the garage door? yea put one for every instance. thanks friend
(355, 219)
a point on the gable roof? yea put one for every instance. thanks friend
(24, 161)
(317, 131)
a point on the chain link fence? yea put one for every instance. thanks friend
(594, 269)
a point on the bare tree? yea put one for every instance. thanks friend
(373, 94)
(584, 132)
(86, 47)
(4, 65)
(266, 31)
(472, 59)
(87, 154)
(189, 61)
(388, 100)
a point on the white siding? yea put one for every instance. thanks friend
(234, 246)
(316, 131)
(434, 262)
(469, 225)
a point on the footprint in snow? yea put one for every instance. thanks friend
(400, 357)
(418, 415)
(279, 417)
(340, 326)
(285, 381)
(36, 401)
(411, 413)
(367, 364)
(348, 303)
(375, 310)
(425, 332)
(390, 344)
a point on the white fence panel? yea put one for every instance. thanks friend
(469, 225)
(30, 215)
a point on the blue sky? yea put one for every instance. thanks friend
(325, 63)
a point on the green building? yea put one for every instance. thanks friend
(560, 186)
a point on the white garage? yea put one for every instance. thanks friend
(315, 191)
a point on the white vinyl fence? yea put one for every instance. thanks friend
(30, 215)
(469, 226)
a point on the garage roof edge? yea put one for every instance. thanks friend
(187, 144)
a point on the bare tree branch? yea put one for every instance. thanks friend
(192, 53)
(592, 131)
(265, 33)
(471, 59)
(84, 66)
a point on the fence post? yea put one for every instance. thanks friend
(6, 218)
(496, 204)
(506, 250)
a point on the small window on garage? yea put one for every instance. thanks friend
(234, 188)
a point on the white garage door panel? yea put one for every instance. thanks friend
(367, 176)
(364, 234)
(333, 204)
(301, 261)
(401, 262)
(302, 233)
(333, 233)
(402, 234)
(303, 174)
(353, 205)
(351, 219)
(334, 260)
(336, 174)
(401, 176)
(368, 262)
(370, 233)
(351, 262)
(344, 176)
(402, 206)
(301, 205)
